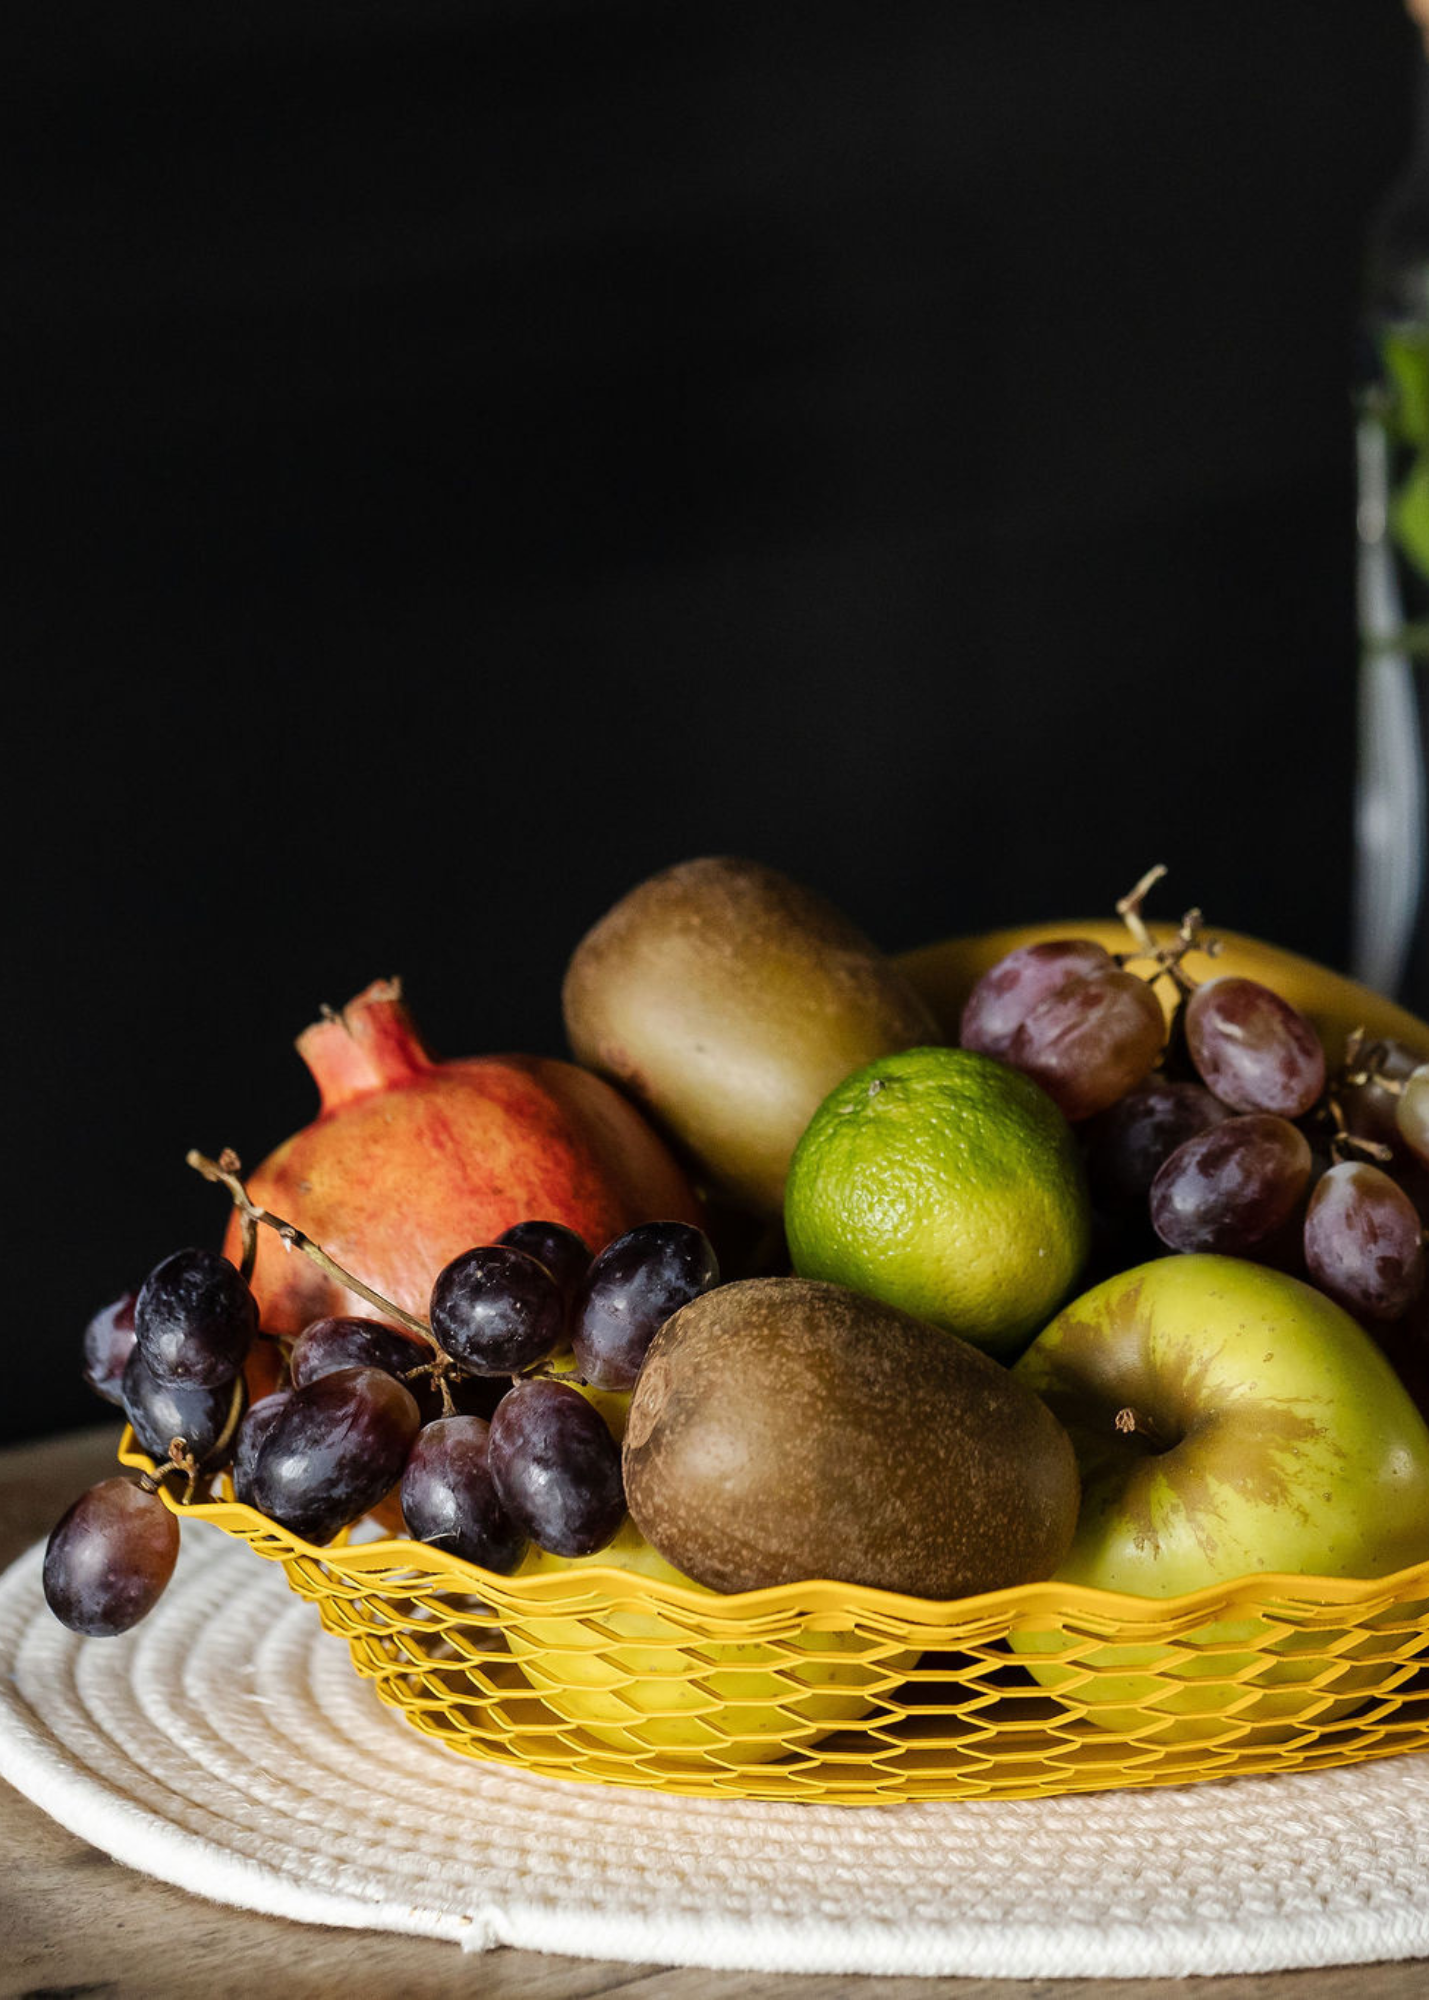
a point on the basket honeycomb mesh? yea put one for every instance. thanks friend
(830, 1692)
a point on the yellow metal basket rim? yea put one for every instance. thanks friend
(1018, 1603)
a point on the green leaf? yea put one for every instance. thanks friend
(1406, 361)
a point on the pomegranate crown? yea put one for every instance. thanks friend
(370, 1044)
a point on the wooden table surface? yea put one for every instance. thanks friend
(73, 1922)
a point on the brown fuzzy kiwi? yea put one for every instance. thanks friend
(784, 1429)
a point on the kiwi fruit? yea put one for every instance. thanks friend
(728, 1001)
(785, 1429)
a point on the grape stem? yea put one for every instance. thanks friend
(1129, 908)
(225, 1171)
(182, 1460)
(1190, 935)
(236, 1405)
(230, 1163)
(1362, 1066)
(436, 1371)
(1356, 1070)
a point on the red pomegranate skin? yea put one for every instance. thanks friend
(410, 1161)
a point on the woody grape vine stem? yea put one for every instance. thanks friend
(225, 1171)
(226, 1174)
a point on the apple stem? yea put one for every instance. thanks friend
(226, 1175)
(1131, 1422)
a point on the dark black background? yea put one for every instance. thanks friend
(469, 456)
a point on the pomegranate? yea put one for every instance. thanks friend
(410, 1161)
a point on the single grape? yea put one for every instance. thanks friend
(630, 1291)
(1230, 1187)
(556, 1467)
(1128, 1143)
(1253, 1049)
(206, 1419)
(333, 1451)
(1411, 1112)
(564, 1254)
(108, 1343)
(1364, 1242)
(1369, 1107)
(1088, 1043)
(108, 1559)
(325, 1345)
(1009, 990)
(448, 1496)
(195, 1320)
(497, 1311)
(252, 1435)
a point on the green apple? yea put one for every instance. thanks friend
(663, 1686)
(1228, 1421)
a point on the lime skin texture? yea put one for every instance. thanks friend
(946, 1184)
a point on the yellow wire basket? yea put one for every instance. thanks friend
(858, 1697)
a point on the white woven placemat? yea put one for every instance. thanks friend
(227, 1746)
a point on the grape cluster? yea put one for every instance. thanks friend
(1222, 1131)
(477, 1425)
(1069, 1016)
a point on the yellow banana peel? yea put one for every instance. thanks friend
(946, 973)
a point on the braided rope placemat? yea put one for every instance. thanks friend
(227, 1746)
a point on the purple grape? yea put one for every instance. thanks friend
(1411, 1113)
(332, 1452)
(1364, 1241)
(1088, 1043)
(108, 1343)
(496, 1311)
(556, 1467)
(448, 1496)
(1007, 993)
(1128, 1144)
(195, 1319)
(109, 1558)
(1370, 1107)
(325, 1345)
(1253, 1049)
(1231, 1186)
(564, 1254)
(252, 1435)
(630, 1291)
(204, 1418)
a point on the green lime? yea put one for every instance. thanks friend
(945, 1183)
